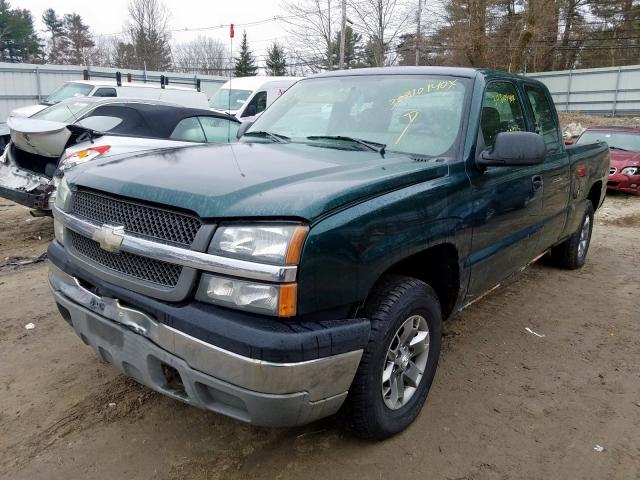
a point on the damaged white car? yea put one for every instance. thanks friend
(44, 146)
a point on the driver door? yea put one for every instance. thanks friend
(507, 201)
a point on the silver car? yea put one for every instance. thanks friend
(81, 129)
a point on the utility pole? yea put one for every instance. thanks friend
(418, 37)
(330, 39)
(343, 33)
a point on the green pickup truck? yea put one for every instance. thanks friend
(307, 269)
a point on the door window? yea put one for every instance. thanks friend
(257, 104)
(106, 92)
(545, 123)
(188, 130)
(501, 111)
(219, 130)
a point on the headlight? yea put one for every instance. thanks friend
(273, 244)
(63, 195)
(631, 171)
(263, 298)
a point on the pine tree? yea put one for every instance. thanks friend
(245, 64)
(352, 48)
(58, 43)
(148, 34)
(79, 38)
(18, 39)
(276, 63)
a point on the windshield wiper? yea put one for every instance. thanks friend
(618, 148)
(276, 137)
(373, 146)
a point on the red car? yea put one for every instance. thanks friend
(624, 143)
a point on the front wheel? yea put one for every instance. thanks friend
(572, 253)
(400, 360)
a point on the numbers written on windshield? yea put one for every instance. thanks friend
(438, 86)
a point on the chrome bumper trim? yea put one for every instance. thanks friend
(183, 256)
(321, 378)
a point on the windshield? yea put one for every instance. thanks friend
(68, 90)
(414, 114)
(226, 99)
(622, 140)
(67, 112)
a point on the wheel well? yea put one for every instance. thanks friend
(438, 267)
(594, 195)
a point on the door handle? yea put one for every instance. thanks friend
(537, 182)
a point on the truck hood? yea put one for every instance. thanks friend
(255, 180)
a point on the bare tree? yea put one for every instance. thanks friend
(203, 55)
(148, 33)
(309, 26)
(103, 52)
(382, 22)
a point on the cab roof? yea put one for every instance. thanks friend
(464, 72)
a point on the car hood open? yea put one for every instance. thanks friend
(255, 179)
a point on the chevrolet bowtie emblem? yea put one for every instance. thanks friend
(109, 237)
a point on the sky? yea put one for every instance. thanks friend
(108, 16)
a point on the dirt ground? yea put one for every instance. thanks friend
(597, 120)
(505, 404)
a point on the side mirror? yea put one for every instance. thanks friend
(244, 126)
(514, 149)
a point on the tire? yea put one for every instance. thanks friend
(572, 253)
(397, 301)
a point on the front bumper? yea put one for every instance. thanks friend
(39, 201)
(201, 374)
(23, 187)
(624, 183)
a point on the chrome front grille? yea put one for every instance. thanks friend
(612, 170)
(137, 218)
(143, 268)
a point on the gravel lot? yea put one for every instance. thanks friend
(505, 404)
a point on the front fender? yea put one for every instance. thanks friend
(346, 253)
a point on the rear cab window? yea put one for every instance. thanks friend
(501, 111)
(543, 115)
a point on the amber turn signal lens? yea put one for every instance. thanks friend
(295, 245)
(287, 300)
